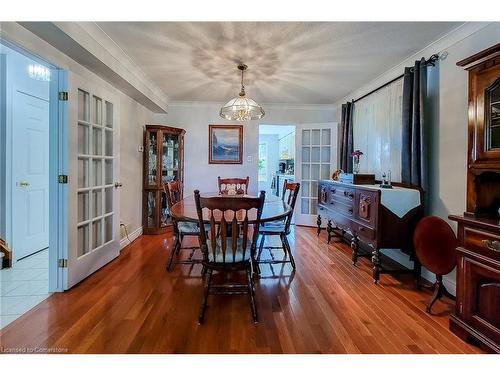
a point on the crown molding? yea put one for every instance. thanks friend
(89, 46)
(305, 107)
(447, 40)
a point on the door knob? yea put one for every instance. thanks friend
(23, 184)
(118, 184)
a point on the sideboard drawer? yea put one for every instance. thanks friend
(336, 217)
(345, 207)
(481, 242)
(366, 207)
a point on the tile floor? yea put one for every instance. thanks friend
(23, 286)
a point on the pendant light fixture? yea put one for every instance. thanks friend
(241, 108)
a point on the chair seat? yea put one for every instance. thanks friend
(238, 256)
(189, 227)
(273, 227)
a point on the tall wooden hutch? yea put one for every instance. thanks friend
(163, 162)
(477, 310)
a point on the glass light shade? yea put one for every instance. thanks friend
(241, 109)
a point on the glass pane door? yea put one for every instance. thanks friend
(95, 198)
(170, 155)
(315, 159)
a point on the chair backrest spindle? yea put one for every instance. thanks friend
(229, 226)
(238, 185)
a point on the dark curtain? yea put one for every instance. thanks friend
(414, 149)
(347, 143)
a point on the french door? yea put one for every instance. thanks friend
(315, 159)
(93, 209)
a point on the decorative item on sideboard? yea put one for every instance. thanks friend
(356, 155)
(357, 179)
(386, 180)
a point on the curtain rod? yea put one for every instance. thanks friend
(430, 61)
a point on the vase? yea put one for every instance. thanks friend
(355, 164)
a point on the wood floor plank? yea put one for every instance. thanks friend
(133, 305)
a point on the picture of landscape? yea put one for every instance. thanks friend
(225, 144)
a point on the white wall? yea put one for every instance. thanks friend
(272, 142)
(448, 103)
(195, 118)
(133, 116)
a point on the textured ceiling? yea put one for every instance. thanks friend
(289, 62)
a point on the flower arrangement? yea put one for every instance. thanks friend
(355, 160)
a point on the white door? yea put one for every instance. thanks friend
(315, 159)
(93, 137)
(30, 172)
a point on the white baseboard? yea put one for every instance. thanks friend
(132, 236)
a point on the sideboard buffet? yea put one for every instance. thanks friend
(377, 217)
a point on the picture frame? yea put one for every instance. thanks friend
(225, 144)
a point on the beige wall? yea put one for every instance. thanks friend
(447, 88)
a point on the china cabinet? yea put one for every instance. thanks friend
(163, 162)
(477, 309)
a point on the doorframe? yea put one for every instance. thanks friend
(58, 155)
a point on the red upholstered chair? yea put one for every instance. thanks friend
(435, 243)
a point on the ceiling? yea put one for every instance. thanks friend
(289, 62)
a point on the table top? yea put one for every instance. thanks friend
(274, 209)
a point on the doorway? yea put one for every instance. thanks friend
(276, 157)
(30, 155)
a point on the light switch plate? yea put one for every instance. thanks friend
(249, 158)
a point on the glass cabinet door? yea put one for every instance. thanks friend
(152, 167)
(170, 157)
(493, 116)
(151, 209)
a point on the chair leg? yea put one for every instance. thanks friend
(208, 280)
(289, 249)
(174, 251)
(261, 246)
(251, 294)
(181, 236)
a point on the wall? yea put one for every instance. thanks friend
(447, 88)
(195, 118)
(132, 118)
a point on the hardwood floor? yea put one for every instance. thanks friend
(134, 306)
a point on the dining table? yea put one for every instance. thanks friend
(274, 209)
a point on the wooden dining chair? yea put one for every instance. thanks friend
(280, 228)
(230, 243)
(182, 229)
(233, 186)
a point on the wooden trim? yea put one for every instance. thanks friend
(479, 57)
(240, 135)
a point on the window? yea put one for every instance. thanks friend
(377, 130)
(262, 165)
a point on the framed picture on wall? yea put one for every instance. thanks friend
(225, 144)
